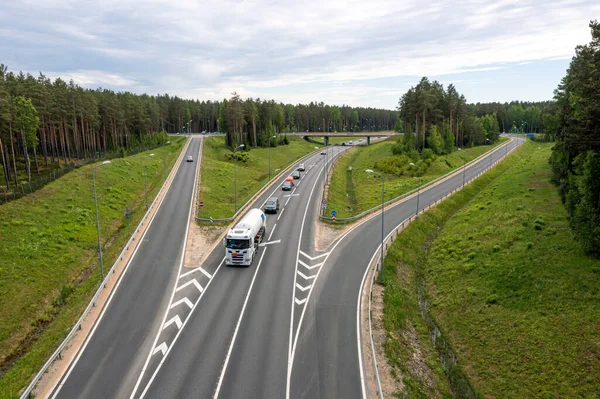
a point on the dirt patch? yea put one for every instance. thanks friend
(201, 242)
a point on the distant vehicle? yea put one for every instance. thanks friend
(190, 158)
(343, 144)
(350, 142)
(296, 174)
(301, 167)
(287, 186)
(272, 205)
(204, 132)
(241, 243)
(323, 153)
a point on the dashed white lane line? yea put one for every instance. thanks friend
(288, 200)
(179, 302)
(198, 269)
(272, 231)
(175, 320)
(192, 281)
(280, 213)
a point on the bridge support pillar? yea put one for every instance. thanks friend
(326, 139)
(368, 140)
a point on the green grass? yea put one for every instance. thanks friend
(216, 188)
(368, 187)
(509, 287)
(49, 267)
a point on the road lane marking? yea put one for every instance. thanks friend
(280, 213)
(161, 348)
(269, 243)
(63, 379)
(188, 317)
(309, 267)
(288, 200)
(198, 269)
(175, 320)
(299, 302)
(305, 276)
(192, 281)
(301, 288)
(272, 231)
(179, 302)
(291, 195)
(237, 327)
(297, 272)
(314, 257)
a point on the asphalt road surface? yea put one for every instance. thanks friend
(285, 327)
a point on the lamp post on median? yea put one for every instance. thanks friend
(145, 184)
(418, 188)
(97, 218)
(234, 176)
(382, 205)
(464, 166)
(272, 137)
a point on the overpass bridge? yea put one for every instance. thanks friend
(367, 135)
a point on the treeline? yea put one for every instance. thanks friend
(521, 117)
(575, 158)
(253, 121)
(442, 120)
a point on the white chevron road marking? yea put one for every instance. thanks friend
(175, 320)
(316, 257)
(184, 300)
(192, 281)
(161, 348)
(301, 288)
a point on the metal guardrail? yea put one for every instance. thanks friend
(364, 213)
(391, 237)
(57, 353)
(258, 193)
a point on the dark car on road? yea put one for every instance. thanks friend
(296, 174)
(272, 205)
(287, 186)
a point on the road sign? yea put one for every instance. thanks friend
(211, 219)
(324, 202)
(323, 206)
(333, 218)
(333, 213)
(201, 203)
(127, 213)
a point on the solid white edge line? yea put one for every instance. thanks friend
(290, 352)
(187, 227)
(63, 380)
(237, 327)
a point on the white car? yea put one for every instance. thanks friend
(190, 159)
(301, 167)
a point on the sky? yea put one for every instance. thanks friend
(359, 53)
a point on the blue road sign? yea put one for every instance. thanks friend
(333, 213)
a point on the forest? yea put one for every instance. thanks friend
(575, 159)
(45, 123)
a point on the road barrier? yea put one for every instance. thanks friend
(57, 354)
(414, 191)
(375, 263)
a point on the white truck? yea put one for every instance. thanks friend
(241, 242)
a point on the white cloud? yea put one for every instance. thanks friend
(257, 47)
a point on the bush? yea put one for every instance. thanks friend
(414, 155)
(427, 154)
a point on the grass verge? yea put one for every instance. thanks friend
(49, 267)
(368, 192)
(512, 292)
(216, 189)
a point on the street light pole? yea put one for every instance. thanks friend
(382, 206)
(418, 188)
(272, 137)
(97, 218)
(145, 185)
(234, 176)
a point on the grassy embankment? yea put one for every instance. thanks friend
(510, 289)
(216, 189)
(49, 268)
(343, 196)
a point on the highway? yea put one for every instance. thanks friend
(285, 327)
